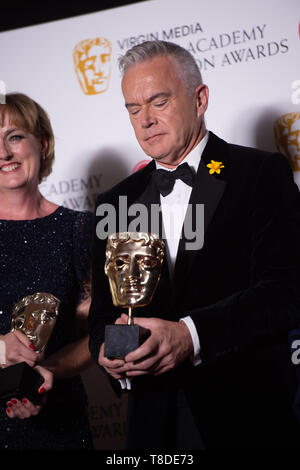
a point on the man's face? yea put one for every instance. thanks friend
(166, 120)
(20, 157)
(133, 273)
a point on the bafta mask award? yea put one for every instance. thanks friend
(35, 315)
(133, 266)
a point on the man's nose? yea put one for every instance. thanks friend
(147, 117)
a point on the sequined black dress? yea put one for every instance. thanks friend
(49, 254)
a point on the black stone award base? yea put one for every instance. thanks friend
(20, 381)
(122, 339)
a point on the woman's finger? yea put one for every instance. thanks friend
(48, 377)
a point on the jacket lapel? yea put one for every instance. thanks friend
(140, 189)
(144, 200)
(207, 190)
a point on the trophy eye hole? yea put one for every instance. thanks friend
(46, 316)
(119, 263)
(19, 322)
(149, 262)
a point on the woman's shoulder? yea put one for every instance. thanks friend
(80, 216)
(80, 223)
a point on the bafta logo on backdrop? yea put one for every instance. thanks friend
(287, 137)
(92, 63)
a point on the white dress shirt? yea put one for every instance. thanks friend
(173, 208)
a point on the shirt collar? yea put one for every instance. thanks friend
(193, 158)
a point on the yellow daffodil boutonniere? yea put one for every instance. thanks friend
(215, 167)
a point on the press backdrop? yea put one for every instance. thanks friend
(249, 55)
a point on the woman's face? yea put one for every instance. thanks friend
(20, 157)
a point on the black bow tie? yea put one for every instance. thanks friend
(165, 180)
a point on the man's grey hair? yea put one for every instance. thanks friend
(147, 50)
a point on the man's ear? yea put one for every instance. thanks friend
(202, 94)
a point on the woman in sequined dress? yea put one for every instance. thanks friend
(43, 248)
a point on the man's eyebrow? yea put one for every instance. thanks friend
(162, 94)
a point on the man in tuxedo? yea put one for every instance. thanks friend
(216, 371)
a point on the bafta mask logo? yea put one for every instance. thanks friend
(92, 63)
(287, 137)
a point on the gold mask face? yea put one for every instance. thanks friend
(35, 316)
(133, 266)
(92, 62)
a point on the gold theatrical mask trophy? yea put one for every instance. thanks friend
(133, 266)
(35, 316)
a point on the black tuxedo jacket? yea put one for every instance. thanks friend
(242, 291)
